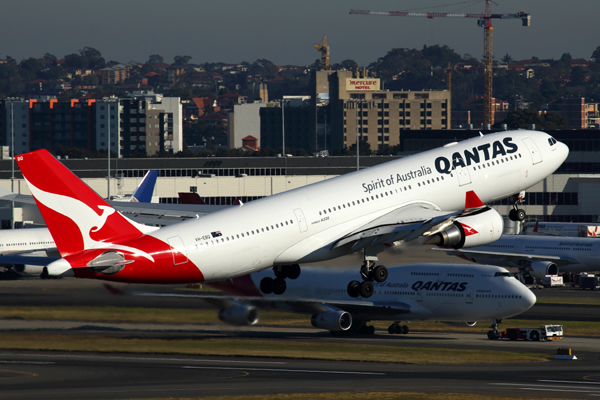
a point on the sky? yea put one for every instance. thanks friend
(285, 32)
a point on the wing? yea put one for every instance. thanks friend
(517, 259)
(408, 223)
(302, 306)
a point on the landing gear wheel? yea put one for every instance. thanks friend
(520, 215)
(353, 288)
(512, 215)
(280, 271)
(266, 285)
(492, 335)
(370, 330)
(404, 329)
(380, 273)
(279, 286)
(365, 289)
(391, 329)
(293, 271)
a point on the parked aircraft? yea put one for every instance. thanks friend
(573, 229)
(537, 256)
(360, 211)
(453, 293)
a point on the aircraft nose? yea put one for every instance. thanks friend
(528, 298)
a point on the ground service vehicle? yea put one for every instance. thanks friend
(544, 332)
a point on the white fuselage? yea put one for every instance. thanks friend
(19, 241)
(584, 253)
(300, 226)
(441, 292)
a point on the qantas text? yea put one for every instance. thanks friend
(488, 151)
(440, 286)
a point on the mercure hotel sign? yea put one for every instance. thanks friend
(362, 84)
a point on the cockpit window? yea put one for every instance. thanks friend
(503, 274)
(551, 141)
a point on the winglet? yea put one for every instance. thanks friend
(472, 200)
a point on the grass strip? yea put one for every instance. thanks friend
(361, 396)
(578, 301)
(263, 348)
(268, 318)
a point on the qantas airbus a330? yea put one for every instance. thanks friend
(438, 193)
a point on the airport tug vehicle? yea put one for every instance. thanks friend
(544, 332)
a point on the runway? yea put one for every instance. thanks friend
(58, 375)
(32, 375)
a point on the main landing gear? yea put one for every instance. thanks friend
(517, 214)
(397, 329)
(494, 334)
(269, 285)
(369, 272)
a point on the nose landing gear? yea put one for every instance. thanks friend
(494, 334)
(517, 214)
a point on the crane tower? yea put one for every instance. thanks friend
(324, 50)
(483, 20)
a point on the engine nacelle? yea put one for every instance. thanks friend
(29, 269)
(539, 269)
(459, 324)
(242, 315)
(332, 320)
(474, 230)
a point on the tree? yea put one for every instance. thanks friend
(75, 61)
(263, 67)
(440, 55)
(181, 61)
(50, 57)
(596, 55)
(93, 57)
(29, 68)
(577, 76)
(507, 58)
(155, 59)
(348, 65)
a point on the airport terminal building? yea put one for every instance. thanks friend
(572, 194)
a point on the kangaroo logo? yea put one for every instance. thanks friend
(88, 221)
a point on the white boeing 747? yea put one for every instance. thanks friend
(452, 293)
(438, 193)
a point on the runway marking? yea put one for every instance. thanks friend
(187, 360)
(577, 382)
(288, 370)
(27, 362)
(551, 388)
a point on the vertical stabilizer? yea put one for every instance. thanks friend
(77, 217)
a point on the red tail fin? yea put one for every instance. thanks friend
(77, 217)
(535, 228)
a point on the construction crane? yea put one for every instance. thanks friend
(483, 20)
(324, 50)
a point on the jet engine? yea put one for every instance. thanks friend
(29, 269)
(459, 324)
(242, 315)
(332, 320)
(539, 269)
(477, 229)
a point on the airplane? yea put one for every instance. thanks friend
(573, 229)
(537, 256)
(452, 293)
(37, 243)
(360, 211)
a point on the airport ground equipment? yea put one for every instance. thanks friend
(544, 332)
